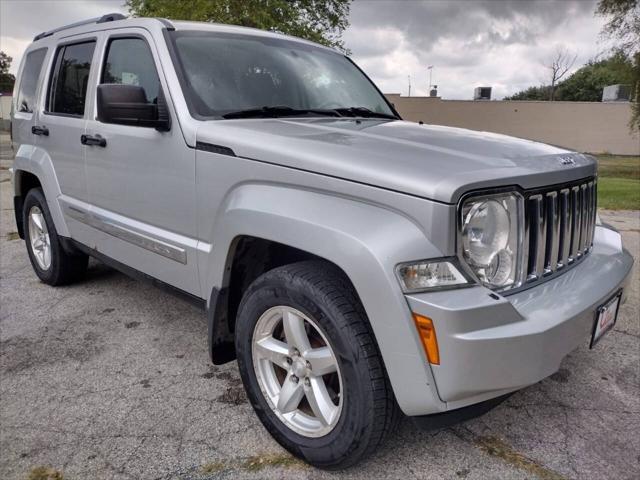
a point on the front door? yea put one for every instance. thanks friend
(141, 181)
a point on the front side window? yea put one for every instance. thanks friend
(29, 80)
(129, 62)
(68, 91)
(223, 73)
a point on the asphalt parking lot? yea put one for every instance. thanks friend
(110, 378)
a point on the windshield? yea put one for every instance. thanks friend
(224, 73)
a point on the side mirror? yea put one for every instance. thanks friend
(128, 105)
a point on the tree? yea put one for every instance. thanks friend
(559, 66)
(623, 25)
(321, 21)
(587, 83)
(6, 79)
(531, 93)
(623, 22)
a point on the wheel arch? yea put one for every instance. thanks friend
(33, 167)
(365, 241)
(247, 259)
(23, 182)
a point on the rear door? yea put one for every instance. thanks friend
(141, 181)
(64, 119)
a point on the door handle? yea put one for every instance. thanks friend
(38, 130)
(96, 140)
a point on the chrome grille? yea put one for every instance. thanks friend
(559, 226)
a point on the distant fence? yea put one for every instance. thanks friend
(592, 127)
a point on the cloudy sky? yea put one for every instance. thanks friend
(499, 43)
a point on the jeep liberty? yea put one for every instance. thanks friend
(357, 266)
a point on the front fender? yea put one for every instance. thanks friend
(36, 161)
(366, 241)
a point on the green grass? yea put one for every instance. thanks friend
(618, 182)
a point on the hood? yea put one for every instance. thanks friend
(429, 161)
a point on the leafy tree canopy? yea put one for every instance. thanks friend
(321, 21)
(586, 83)
(623, 22)
(532, 93)
(6, 79)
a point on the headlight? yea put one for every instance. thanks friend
(430, 275)
(491, 237)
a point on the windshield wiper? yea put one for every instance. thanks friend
(363, 112)
(279, 111)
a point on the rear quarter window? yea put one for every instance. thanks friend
(26, 98)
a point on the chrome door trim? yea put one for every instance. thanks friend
(110, 227)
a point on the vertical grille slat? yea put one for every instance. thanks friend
(534, 213)
(575, 223)
(559, 228)
(587, 217)
(583, 219)
(553, 233)
(592, 214)
(565, 227)
(541, 234)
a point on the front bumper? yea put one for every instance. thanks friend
(491, 345)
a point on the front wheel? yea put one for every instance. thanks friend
(311, 366)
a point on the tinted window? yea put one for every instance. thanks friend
(29, 81)
(129, 61)
(228, 72)
(71, 77)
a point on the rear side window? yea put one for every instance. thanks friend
(129, 62)
(68, 90)
(29, 80)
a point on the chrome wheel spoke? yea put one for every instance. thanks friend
(38, 221)
(295, 332)
(322, 361)
(273, 350)
(46, 254)
(320, 401)
(39, 238)
(290, 395)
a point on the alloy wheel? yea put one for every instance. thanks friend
(297, 371)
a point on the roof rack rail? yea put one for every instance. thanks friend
(110, 17)
(167, 24)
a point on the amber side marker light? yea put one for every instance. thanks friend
(427, 333)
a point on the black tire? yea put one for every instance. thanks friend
(324, 294)
(65, 267)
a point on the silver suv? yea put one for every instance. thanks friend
(354, 264)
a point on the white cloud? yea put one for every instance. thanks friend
(21, 20)
(499, 43)
(503, 44)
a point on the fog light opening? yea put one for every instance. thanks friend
(427, 333)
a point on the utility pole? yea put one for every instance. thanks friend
(409, 77)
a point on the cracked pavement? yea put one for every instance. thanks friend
(110, 379)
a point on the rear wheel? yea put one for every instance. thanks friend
(311, 366)
(52, 264)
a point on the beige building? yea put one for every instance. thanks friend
(592, 127)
